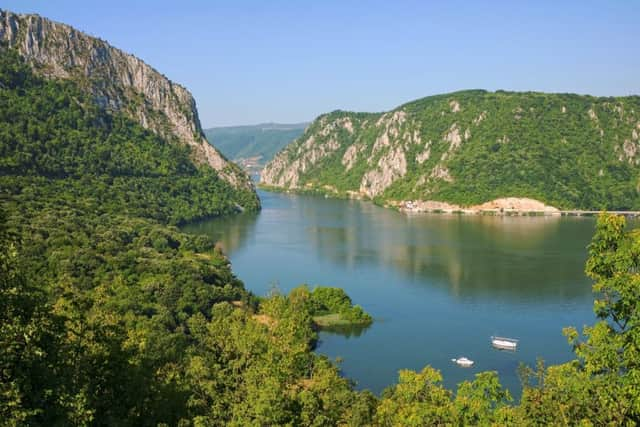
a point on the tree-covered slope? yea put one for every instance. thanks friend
(469, 147)
(261, 141)
(109, 315)
(54, 136)
(115, 81)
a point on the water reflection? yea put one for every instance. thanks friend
(347, 331)
(469, 256)
(230, 233)
(443, 284)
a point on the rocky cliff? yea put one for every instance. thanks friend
(470, 147)
(117, 81)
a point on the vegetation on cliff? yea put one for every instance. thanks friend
(55, 141)
(466, 148)
(109, 315)
(115, 81)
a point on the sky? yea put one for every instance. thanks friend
(289, 61)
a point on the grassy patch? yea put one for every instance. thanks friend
(333, 319)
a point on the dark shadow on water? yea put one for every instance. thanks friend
(347, 331)
(232, 233)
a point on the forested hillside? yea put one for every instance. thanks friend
(261, 141)
(115, 81)
(470, 147)
(109, 315)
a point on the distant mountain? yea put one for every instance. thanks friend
(470, 147)
(260, 141)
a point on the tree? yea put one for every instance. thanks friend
(610, 355)
(32, 361)
(419, 399)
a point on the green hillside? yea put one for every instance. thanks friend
(469, 147)
(110, 316)
(263, 140)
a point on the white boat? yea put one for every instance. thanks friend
(503, 343)
(463, 361)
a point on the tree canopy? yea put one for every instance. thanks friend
(110, 315)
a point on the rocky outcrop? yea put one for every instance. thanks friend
(350, 156)
(117, 81)
(469, 147)
(505, 206)
(310, 149)
(386, 160)
(391, 166)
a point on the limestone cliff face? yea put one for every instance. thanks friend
(471, 147)
(379, 162)
(118, 81)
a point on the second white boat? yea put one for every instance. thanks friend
(463, 361)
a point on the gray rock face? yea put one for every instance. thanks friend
(386, 159)
(391, 166)
(117, 81)
(469, 147)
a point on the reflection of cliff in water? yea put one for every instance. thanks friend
(231, 232)
(472, 256)
(499, 257)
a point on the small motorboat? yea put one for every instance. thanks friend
(503, 343)
(463, 361)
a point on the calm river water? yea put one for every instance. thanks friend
(438, 285)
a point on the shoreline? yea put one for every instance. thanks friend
(517, 212)
(507, 206)
(432, 207)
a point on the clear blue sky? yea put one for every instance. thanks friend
(288, 61)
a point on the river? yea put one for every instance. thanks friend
(438, 286)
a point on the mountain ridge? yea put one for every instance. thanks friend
(470, 147)
(117, 81)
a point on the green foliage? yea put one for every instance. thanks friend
(55, 140)
(570, 151)
(263, 140)
(601, 386)
(611, 352)
(419, 399)
(29, 337)
(329, 306)
(111, 316)
(480, 402)
(98, 297)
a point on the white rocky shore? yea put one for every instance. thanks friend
(502, 206)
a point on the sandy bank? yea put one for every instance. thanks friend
(502, 206)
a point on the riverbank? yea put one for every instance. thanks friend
(410, 271)
(508, 206)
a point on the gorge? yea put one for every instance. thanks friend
(145, 281)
